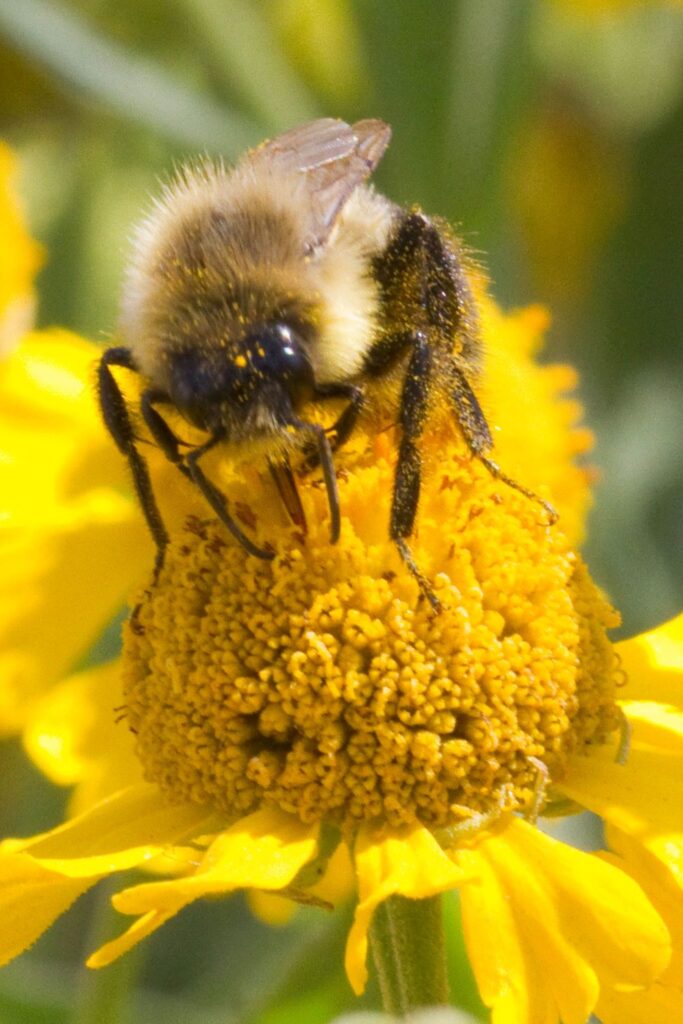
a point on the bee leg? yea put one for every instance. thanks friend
(406, 495)
(476, 432)
(324, 456)
(343, 426)
(217, 501)
(118, 423)
(159, 428)
(341, 429)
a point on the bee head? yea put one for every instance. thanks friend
(268, 366)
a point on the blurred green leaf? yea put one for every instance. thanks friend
(131, 86)
(248, 59)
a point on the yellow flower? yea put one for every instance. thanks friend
(20, 257)
(277, 719)
(73, 544)
(282, 710)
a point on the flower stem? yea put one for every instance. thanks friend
(408, 947)
(104, 996)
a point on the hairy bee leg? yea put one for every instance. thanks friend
(477, 434)
(117, 420)
(217, 501)
(406, 497)
(159, 428)
(344, 425)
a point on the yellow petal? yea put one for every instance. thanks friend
(661, 888)
(643, 797)
(266, 850)
(406, 863)
(76, 736)
(61, 583)
(653, 663)
(548, 924)
(71, 544)
(138, 931)
(336, 885)
(536, 427)
(657, 1005)
(124, 830)
(270, 908)
(31, 898)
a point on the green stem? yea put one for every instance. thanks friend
(408, 947)
(104, 995)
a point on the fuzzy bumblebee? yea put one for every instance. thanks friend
(284, 281)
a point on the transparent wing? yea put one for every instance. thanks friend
(334, 158)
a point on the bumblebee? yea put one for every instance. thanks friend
(255, 290)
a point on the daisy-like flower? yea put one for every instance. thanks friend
(279, 719)
(282, 710)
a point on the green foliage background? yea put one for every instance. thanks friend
(552, 139)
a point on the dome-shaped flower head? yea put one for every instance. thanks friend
(282, 714)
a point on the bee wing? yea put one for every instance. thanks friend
(334, 158)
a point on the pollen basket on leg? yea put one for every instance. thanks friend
(321, 683)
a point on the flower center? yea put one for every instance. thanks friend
(321, 682)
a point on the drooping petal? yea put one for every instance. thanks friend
(266, 850)
(644, 796)
(653, 662)
(409, 863)
(138, 931)
(128, 828)
(661, 888)
(658, 1004)
(31, 898)
(77, 736)
(336, 885)
(547, 926)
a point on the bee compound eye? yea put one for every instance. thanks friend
(282, 357)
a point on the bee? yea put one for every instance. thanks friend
(285, 280)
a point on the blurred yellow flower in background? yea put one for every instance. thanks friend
(20, 258)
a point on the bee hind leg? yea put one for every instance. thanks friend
(118, 422)
(476, 432)
(406, 496)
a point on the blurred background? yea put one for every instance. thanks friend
(550, 132)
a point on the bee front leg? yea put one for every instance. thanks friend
(117, 420)
(406, 497)
(159, 428)
(217, 501)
